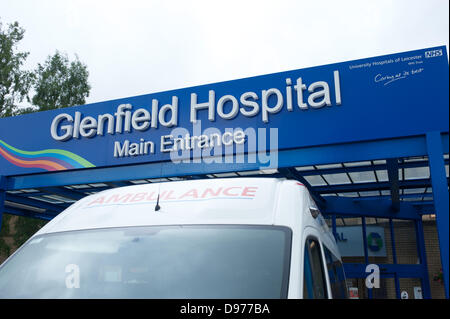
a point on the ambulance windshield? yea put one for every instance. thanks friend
(152, 262)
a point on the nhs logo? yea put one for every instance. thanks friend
(433, 53)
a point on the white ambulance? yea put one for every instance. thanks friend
(215, 238)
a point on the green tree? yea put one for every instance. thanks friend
(60, 83)
(57, 83)
(15, 82)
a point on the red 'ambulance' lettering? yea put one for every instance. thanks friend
(117, 198)
(249, 191)
(191, 193)
(151, 196)
(168, 196)
(211, 192)
(233, 191)
(226, 191)
(138, 197)
(99, 200)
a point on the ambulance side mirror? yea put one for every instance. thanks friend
(314, 212)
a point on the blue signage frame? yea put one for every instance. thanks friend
(384, 107)
(390, 96)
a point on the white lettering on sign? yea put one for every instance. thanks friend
(433, 53)
(267, 102)
(169, 143)
(133, 149)
(65, 127)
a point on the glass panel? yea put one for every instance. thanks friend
(30, 190)
(152, 262)
(412, 199)
(157, 180)
(245, 173)
(60, 198)
(305, 168)
(350, 240)
(329, 166)
(379, 243)
(416, 159)
(14, 192)
(386, 290)
(308, 291)
(363, 177)
(336, 179)
(180, 179)
(336, 275)
(81, 186)
(382, 175)
(405, 242)
(315, 180)
(98, 185)
(140, 181)
(268, 171)
(410, 288)
(414, 191)
(353, 164)
(225, 175)
(369, 193)
(47, 200)
(25, 207)
(317, 271)
(417, 173)
(349, 194)
(352, 221)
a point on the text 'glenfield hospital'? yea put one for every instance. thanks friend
(270, 101)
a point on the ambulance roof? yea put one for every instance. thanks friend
(209, 201)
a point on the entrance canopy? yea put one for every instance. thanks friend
(367, 137)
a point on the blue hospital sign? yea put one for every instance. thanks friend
(403, 94)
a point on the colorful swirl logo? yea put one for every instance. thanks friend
(50, 159)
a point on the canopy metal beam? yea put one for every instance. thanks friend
(392, 168)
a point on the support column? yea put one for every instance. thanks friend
(394, 258)
(366, 252)
(392, 168)
(440, 198)
(420, 240)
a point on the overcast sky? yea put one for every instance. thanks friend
(137, 47)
